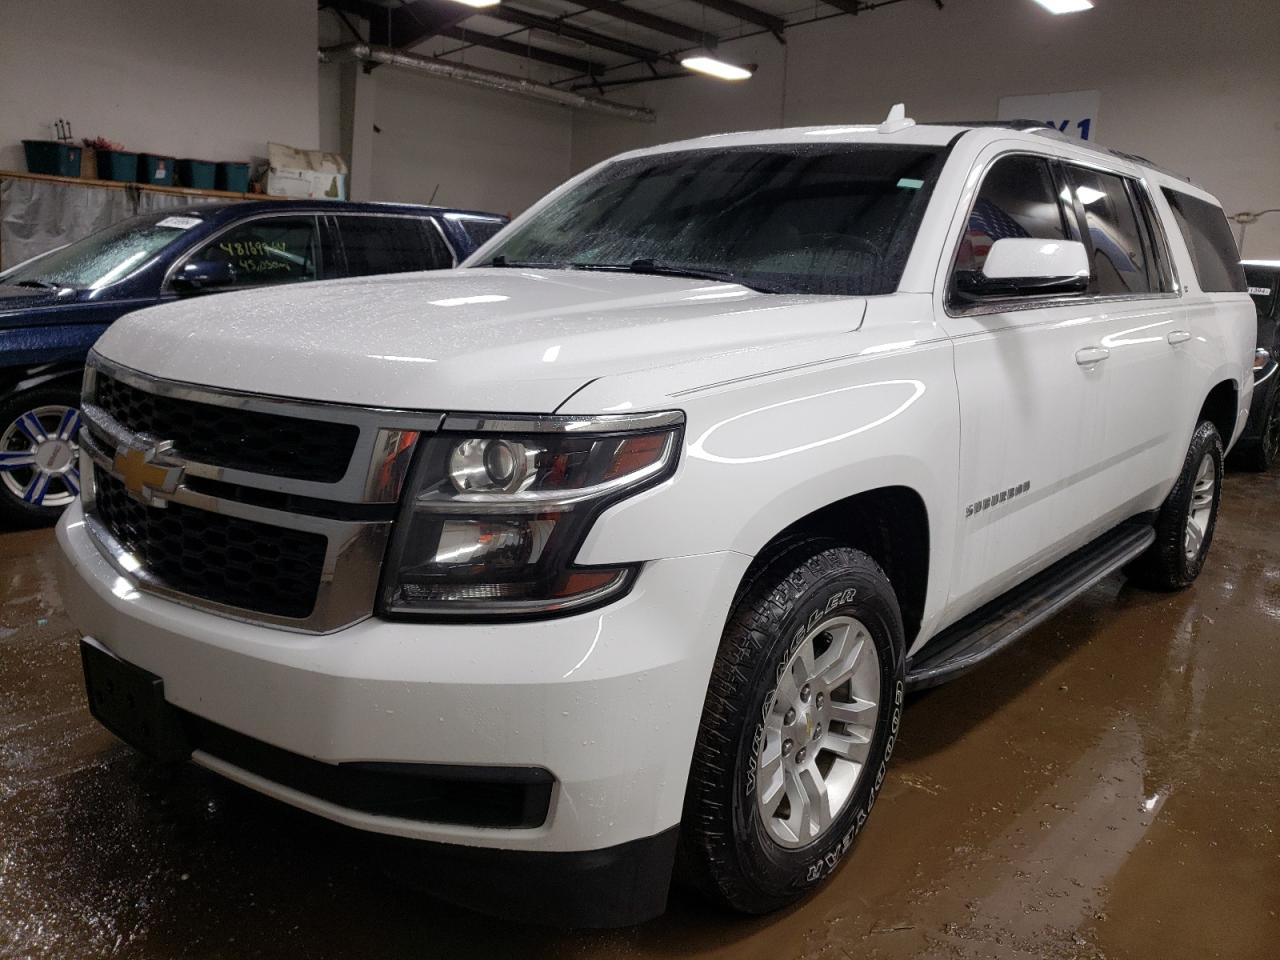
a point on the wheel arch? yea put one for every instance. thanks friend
(1221, 407)
(891, 525)
(16, 380)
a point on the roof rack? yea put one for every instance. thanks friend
(1023, 125)
(1041, 128)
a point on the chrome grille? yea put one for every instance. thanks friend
(250, 440)
(194, 494)
(226, 560)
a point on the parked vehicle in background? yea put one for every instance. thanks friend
(630, 536)
(54, 306)
(1260, 443)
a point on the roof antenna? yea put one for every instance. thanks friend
(896, 120)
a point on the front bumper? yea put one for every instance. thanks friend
(608, 701)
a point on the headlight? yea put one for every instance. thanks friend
(495, 512)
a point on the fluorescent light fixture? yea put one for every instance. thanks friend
(1066, 6)
(712, 67)
(494, 3)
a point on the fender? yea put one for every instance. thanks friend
(760, 455)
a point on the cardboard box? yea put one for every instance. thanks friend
(305, 174)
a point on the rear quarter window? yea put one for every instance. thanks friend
(479, 229)
(1213, 249)
(1262, 287)
(377, 244)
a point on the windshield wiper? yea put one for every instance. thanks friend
(502, 261)
(647, 265)
(38, 284)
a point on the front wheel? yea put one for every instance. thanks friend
(1185, 524)
(799, 723)
(39, 456)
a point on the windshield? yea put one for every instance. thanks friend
(103, 257)
(783, 218)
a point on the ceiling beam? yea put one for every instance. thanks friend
(532, 21)
(641, 18)
(525, 50)
(732, 8)
(407, 25)
(853, 7)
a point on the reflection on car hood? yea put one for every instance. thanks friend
(501, 340)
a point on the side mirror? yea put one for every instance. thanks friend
(198, 275)
(1025, 267)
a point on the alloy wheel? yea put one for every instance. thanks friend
(39, 456)
(1201, 510)
(818, 732)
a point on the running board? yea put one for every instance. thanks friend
(989, 629)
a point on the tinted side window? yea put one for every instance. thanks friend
(479, 230)
(1119, 258)
(267, 250)
(1262, 287)
(1158, 246)
(391, 245)
(1018, 198)
(1213, 248)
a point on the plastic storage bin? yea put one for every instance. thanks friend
(153, 168)
(197, 174)
(233, 177)
(117, 165)
(52, 157)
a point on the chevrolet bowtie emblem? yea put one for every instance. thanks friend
(142, 476)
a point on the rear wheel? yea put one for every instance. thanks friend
(799, 723)
(1185, 524)
(39, 455)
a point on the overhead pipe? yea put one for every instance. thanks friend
(478, 77)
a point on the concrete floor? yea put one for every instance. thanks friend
(1108, 788)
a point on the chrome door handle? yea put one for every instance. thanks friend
(1088, 356)
(1178, 336)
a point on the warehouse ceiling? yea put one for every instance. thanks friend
(591, 44)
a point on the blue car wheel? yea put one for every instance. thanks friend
(39, 457)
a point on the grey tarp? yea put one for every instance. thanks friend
(38, 215)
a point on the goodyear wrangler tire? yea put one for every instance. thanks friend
(1187, 520)
(798, 727)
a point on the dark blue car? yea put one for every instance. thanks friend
(53, 308)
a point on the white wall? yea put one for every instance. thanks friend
(484, 149)
(1194, 86)
(214, 80)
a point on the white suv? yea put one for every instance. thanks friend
(626, 539)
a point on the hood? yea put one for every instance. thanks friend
(498, 340)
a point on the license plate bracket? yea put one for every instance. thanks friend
(129, 701)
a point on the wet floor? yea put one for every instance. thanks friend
(1107, 788)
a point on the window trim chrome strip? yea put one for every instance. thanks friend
(433, 218)
(166, 282)
(981, 169)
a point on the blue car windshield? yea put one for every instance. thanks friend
(782, 218)
(104, 257)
